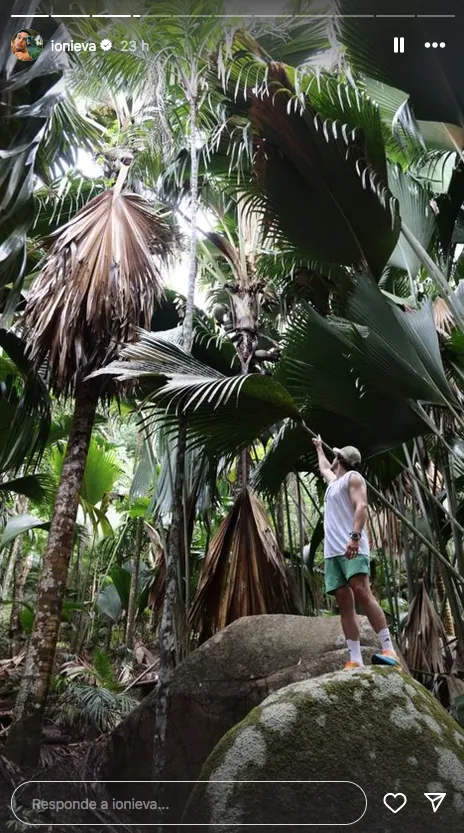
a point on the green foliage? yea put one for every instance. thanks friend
(92, 698)
(322, 164)
(20, 524)
(91, 707)
(113, 599)
(25, 406)
(179, 381)
(33, 819)
(26, 618)
(109, 602)
(104, 671)
(101, 474)
(416, 212)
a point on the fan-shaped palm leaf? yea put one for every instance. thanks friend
(314, 175)
(101, 277)
(295, 41)
(101, 473)
(415, 211)
(243, 573)
(340, 375)
(349, 105)
(228, 411)
(424, 637)
(20, 524)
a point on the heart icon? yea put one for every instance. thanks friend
(395, 801)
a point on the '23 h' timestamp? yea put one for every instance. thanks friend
(134, 46)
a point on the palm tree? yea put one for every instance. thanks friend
(244, 572)
(324, 173)
(100, 280)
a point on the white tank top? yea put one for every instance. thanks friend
(338, 519)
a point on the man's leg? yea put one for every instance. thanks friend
(364, 596)
(345, 600)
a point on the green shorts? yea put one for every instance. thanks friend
(339, 569)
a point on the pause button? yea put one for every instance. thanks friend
(398, 44)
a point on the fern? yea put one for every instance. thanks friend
(92, 707)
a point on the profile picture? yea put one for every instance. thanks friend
(26, 45)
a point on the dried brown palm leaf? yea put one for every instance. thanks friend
(244, 572)
(100, 280)
(444, 321)
(425, 642)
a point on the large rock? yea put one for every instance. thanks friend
(375, 727)
(218, 684)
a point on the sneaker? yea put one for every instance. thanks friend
(386, 658)
(351, 665)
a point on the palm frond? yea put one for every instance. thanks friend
(415, 211)
(58, 202)
(296, 42)
(25, 407)
(67, 132)
(101, 473)
(38, 488)
(312, 171)
(339, 373)
(94, 707)
(243, 573)
(226, 412)
(449, 218)
(290, 449)
(101, 278)
(351, 106)
(424, 637)
(19, 524)
(408, 339)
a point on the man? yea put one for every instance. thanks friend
(19, 45)
(346, 552)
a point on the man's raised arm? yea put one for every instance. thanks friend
(324, 465)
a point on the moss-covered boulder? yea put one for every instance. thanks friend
(216, 686)
(376, 728)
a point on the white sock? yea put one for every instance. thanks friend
(385, 639)
(354, 647)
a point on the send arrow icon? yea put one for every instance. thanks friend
(435, 799)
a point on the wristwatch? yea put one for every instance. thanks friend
(355, 536)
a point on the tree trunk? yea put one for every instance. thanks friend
(8, 576)
(23, 743)
(10, 564)
(187, 333)
(21, 572)
(134, 585)
(168, 641)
